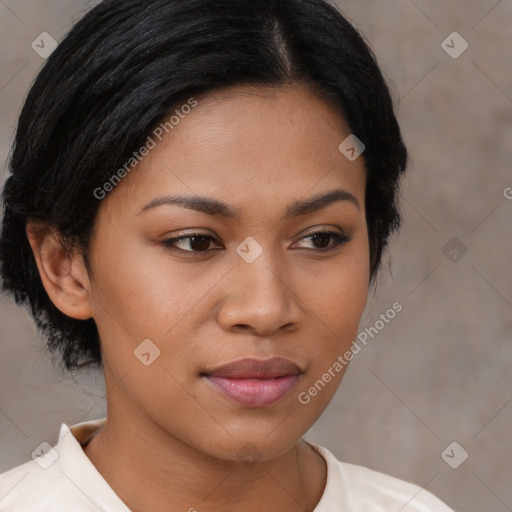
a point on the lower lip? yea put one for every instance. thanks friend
(255, 392)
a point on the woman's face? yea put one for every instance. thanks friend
(256, 285)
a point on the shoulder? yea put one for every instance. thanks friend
(361, 488)
(32, 487)
(58, 478)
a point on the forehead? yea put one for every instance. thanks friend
(247, 144)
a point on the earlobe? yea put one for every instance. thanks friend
(62, 271)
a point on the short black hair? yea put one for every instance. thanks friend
(124, 67)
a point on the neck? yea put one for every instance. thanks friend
(154, 471)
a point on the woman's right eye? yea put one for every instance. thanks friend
(198, 242)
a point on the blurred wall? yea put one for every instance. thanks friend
(440, 371)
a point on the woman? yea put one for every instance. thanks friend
(200, 197)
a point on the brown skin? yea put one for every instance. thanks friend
(171, 439)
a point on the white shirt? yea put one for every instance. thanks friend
(63, 479)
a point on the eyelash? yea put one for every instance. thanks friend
(340, 239)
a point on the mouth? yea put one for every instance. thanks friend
(255, 382)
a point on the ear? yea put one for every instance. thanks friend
(63, 272)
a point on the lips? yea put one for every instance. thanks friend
(255, 382)
(256, 369)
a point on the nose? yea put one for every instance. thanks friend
(260, 298)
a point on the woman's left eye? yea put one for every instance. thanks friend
(200, 243)
(322, 236)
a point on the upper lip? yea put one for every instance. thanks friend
(255, 368)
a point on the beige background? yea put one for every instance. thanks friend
(441, 370)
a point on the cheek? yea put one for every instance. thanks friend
(338, 305)
(339, 294)
(337, 298)
(139, 295)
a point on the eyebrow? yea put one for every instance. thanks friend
(211, 206)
